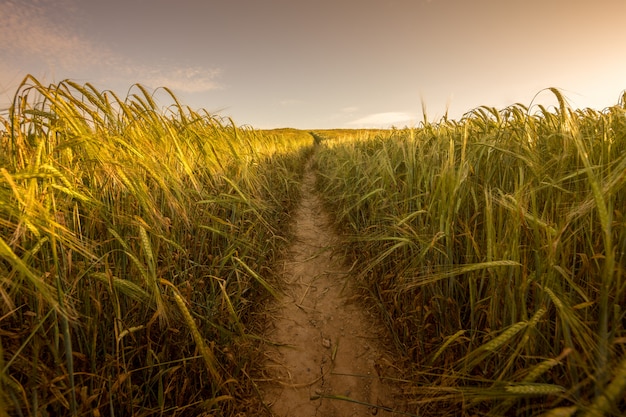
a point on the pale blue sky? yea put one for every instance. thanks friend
(325, 63)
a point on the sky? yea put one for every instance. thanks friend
(317, 64)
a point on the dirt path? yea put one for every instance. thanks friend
(324, 343)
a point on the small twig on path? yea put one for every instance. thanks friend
(315, 254)
(308, 287)
(303, 308)
(305, 384)
(352, 400)
(387, 378)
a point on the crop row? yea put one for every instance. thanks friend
(494, 248)
(135, 243)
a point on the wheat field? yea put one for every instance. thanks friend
(138, 242)
(134, 242)
(494, 247)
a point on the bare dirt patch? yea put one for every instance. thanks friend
(325, 354)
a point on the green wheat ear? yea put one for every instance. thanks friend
(207, 354)
(431, 211)
(490, 245)
(609, 399)
(99, 191)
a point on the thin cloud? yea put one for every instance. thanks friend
(289, 102)
(184, 79)
(344, 113)
(384, 119)
(52, 48)
(28, 34)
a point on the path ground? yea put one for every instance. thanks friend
(326, 355)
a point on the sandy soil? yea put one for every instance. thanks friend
(322, 342)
